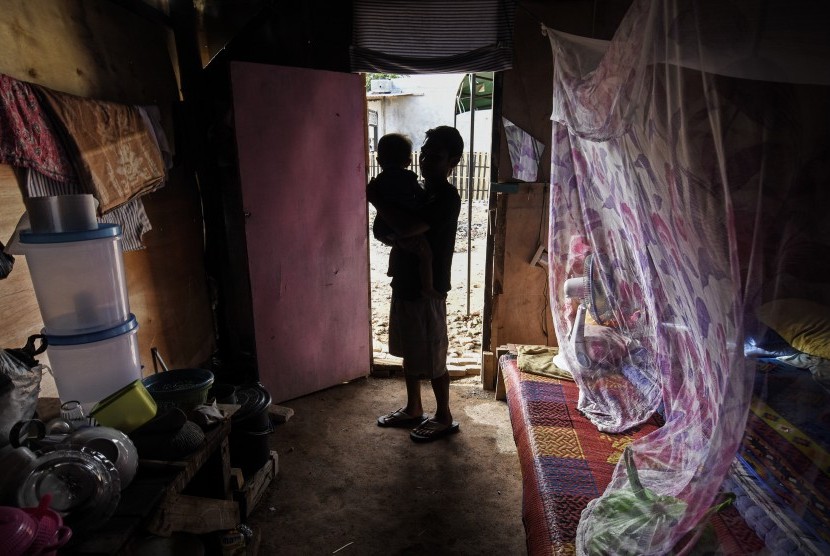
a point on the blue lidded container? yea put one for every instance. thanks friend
(88, 367)
(79, 279)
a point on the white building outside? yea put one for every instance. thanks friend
(416, 103)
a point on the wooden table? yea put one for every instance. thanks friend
(193, 495)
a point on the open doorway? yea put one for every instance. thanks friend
(410, 105)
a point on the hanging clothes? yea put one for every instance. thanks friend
(127, 160)
(114, 152)
(131, 216)
(152, 119)
(27, 137)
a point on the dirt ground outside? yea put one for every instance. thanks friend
(464, 330)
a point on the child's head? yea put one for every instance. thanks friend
(394, 151)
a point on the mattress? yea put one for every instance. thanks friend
(786, 452)
(566, 462)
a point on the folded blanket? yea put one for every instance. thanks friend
(539, 360)
(114, 153)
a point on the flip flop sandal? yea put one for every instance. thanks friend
(400, 419)
(432, 430)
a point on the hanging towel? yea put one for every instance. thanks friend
(525, 151)
(134, 222)
(114, 152)
(27, 138)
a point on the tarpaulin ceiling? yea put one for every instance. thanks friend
(432, 36)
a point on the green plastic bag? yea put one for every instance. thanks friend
(629, 521)
(625, 521)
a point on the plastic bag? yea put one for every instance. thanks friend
(626, 520)
(630, 520)
(20, 376)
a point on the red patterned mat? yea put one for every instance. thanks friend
(566, 462)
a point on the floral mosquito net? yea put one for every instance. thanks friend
(689, 247)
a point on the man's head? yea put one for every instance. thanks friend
(441, 152)
(394, 151)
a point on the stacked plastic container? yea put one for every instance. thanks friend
(80, 285)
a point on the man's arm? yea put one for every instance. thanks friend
(401, 221)
(382, 231)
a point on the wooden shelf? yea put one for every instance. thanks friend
(191, 495)
(251, 493)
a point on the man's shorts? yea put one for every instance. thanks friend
(418, 333)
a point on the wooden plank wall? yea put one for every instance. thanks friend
(521, 308)
(19, 316)
(97, 49)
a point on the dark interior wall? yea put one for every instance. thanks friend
(313, 35)
(98, 49)
(119, 51)
(527, 88)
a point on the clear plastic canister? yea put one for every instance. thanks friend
(78, 278)
(90, 367)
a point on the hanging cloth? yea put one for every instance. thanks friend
(6, 262)
(27, 137)
(686, 160)
(131, 216)
(114, 152)
(152, 119)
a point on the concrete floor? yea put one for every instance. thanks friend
(349, 487)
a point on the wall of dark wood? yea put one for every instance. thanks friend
(100, 49)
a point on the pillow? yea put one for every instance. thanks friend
(770, 344)
(804, 324)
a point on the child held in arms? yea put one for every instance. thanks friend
(399, 185)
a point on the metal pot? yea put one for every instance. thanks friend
(250, 428)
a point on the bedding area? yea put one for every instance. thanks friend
(566, 462)
(786, 449)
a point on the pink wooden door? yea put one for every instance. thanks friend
(302, 149)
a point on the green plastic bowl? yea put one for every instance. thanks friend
(127, 409)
